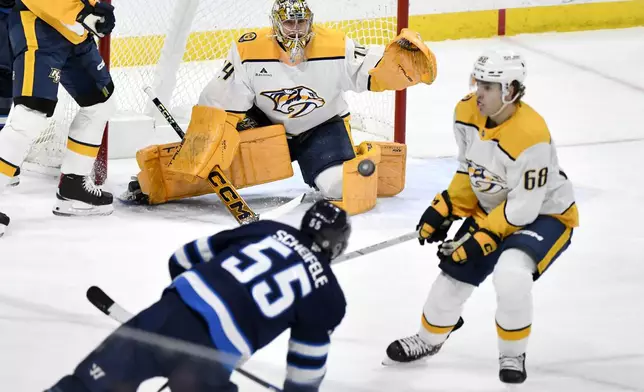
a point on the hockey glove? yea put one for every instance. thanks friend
(98, 20)
(436, 221)
(480, 244)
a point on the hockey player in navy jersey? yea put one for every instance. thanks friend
(235, 291)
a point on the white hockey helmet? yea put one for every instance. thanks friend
(502, 66)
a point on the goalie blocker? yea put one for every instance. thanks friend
(252, 156)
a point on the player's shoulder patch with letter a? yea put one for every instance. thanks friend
(248, 37)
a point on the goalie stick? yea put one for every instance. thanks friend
(107, 305)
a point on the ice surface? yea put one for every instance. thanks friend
(586, 333)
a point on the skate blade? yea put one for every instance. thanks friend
(391, 363)
(78, 208)
(512, 387)
(14, 181)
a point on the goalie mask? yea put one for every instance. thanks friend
(292, 22)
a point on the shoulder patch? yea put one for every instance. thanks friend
(468, 97)
(467, 112)
(248, 37)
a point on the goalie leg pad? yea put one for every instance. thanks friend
(162, 185)
(263, 157)
(359, 193)
(392, 168)
(211, 140)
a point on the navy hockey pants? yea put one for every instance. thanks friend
(544, 240)
(44, 59)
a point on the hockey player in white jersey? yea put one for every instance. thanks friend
(286, 82)
(520, 213)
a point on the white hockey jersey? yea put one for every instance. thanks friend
(297, 96)
(509, 174)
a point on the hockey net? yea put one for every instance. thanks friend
(176, 46)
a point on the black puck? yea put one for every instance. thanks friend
(366, 167)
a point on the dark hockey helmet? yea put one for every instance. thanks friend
(329, 227)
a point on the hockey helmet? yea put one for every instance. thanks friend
(328, 225)
(292, 22)
(502, 66)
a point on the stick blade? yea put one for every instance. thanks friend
(98, 298)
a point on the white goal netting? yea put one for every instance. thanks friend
(176, 46)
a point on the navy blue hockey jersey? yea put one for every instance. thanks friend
(252, 283)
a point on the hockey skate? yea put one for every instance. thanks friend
(133, 195)
(14, 181)
(512, 369)
(4, 222)
(79, 196)
(413, 349)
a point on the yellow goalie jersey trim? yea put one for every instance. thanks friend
(260, 45)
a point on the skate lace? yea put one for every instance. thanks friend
(513, 363)
(91, 187)
(414, 345)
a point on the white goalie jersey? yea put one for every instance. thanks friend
(298, 96)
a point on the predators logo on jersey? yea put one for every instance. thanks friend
(483, 180)
(296, 102)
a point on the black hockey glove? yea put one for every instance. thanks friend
(98, 20)
(436, 221)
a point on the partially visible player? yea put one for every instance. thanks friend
(520, 211)
(235, 291)
(6, 60)
(286, 82)
(51, 45)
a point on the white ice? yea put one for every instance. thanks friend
(587, 333)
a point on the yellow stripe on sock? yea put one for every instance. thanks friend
(28, 19)
(434, 328)
(7, 168)
(513, 335)
(82, 148)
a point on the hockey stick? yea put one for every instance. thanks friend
(107, 305)
(222, 186)
(165, 112)
(395, 241)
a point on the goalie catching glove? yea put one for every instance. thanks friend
(97, 19)
(436, 220)
(407, 61)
